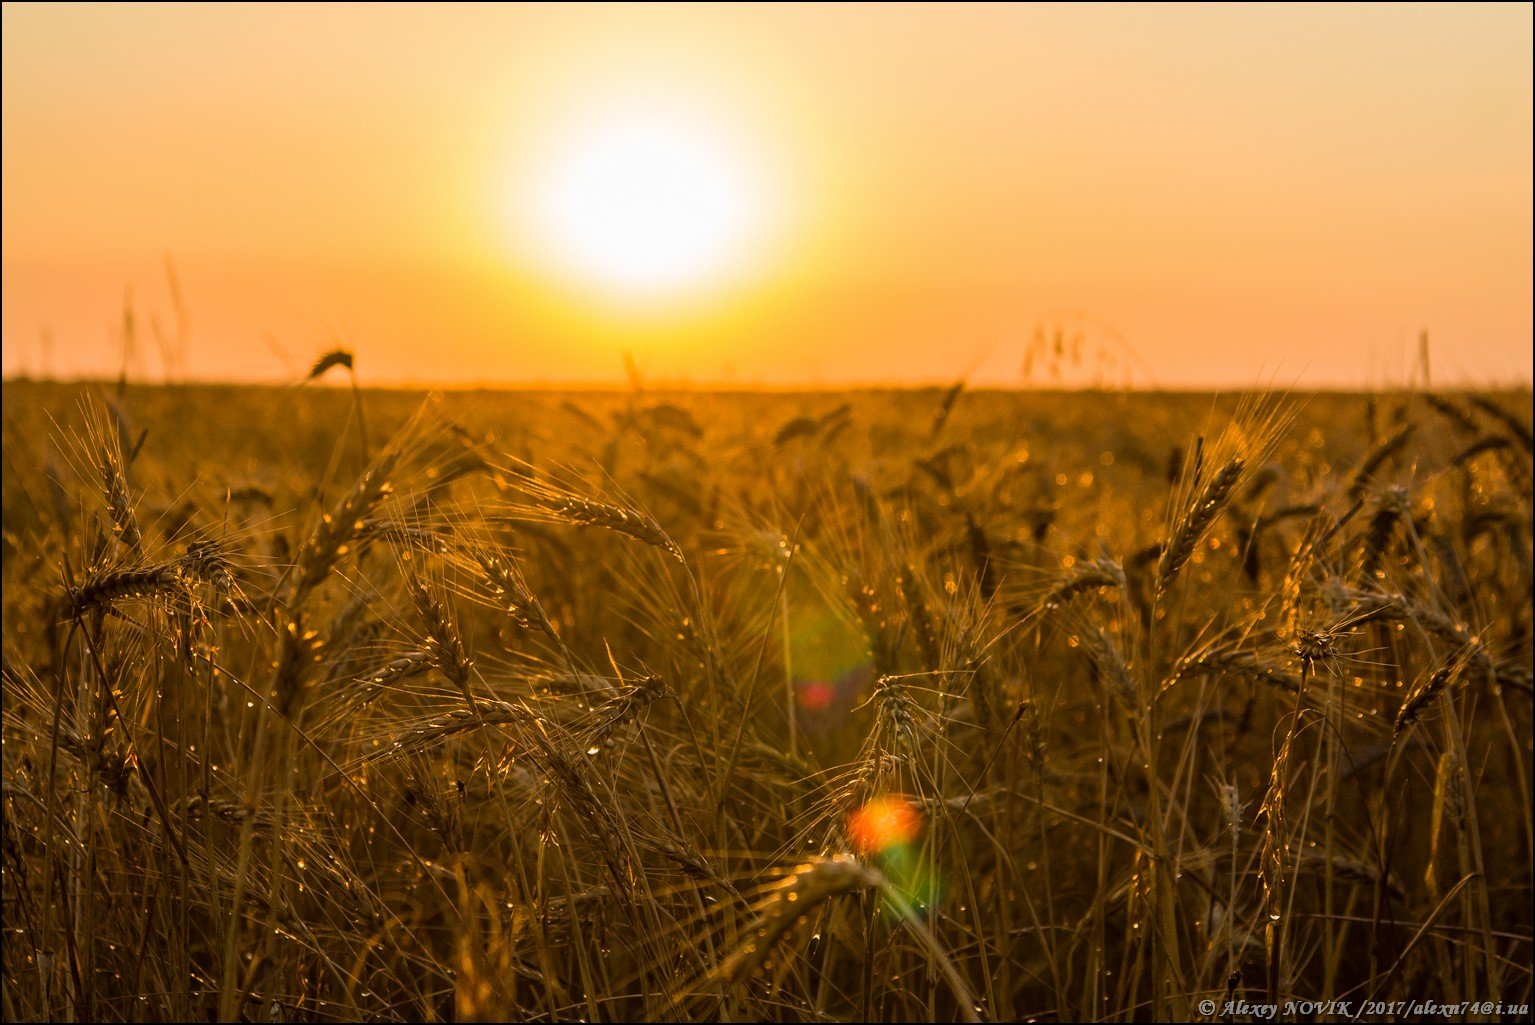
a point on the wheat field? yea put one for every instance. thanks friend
(923, 705)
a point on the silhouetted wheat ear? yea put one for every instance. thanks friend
(1420, 698)
(896, 712)
(1236, 662)
(626, 706)
(1109, 668)
(120, 507)
(104, 589)
(443, 644)
(203, 561)
(510, 592)
(334, 358)
(631, 522)
(1377, 457)
(791, 900)
(1195, 521)
(301, 650)
(341, 526)
(207, 561)
(1394, 506)
(103, 451)
(461, 720)
(1084, 577)
(1517, 428)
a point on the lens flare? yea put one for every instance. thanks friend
(885, 830)
(816, 695)
(883, 824)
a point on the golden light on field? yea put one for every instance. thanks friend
(644, 204)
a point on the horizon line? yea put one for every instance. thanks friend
(725, 387)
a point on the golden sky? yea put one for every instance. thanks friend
(1185, 196)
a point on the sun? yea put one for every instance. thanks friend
(646, 204)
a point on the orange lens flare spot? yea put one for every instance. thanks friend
(883, 823)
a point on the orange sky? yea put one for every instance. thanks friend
(1195, 195)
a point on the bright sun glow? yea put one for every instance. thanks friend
(647, 205)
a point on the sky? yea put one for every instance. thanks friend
(777, 195)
